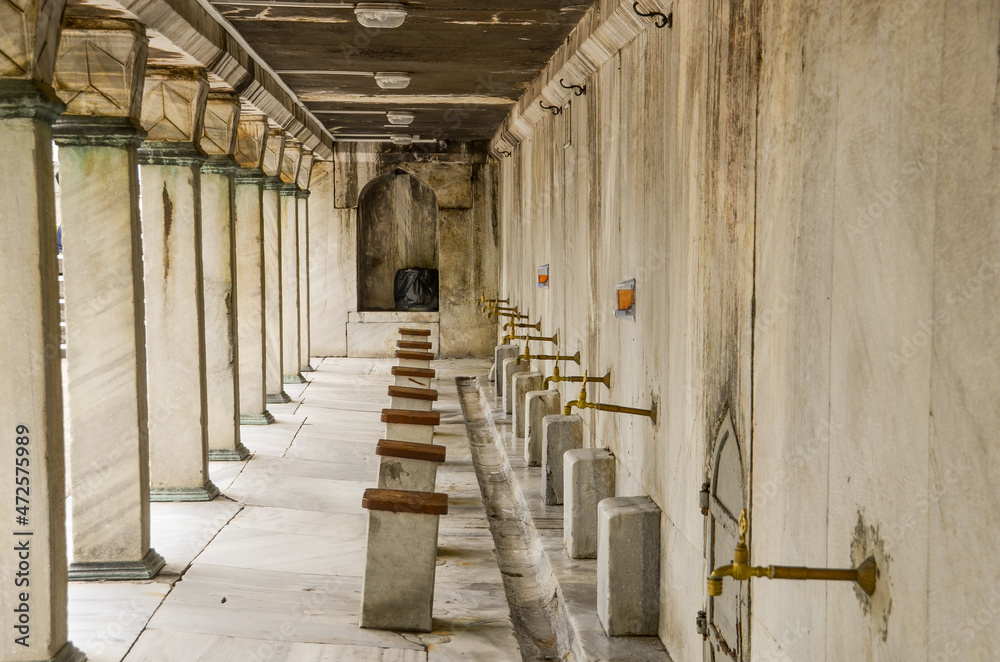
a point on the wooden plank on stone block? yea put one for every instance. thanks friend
(403, 501)
(413, 393)
(415, 356)
(410, 417)
(413, 344)
(410, 450)
(403, 331)
(403, 371)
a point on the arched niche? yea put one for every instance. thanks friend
(728, 619)
(397, 229)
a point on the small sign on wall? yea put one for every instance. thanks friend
(626, 299)
(543, 276)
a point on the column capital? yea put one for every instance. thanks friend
(249, 176)
(220, 164)
(29, 99)
(273, 150)
(29, 39)
(305, 168)
(272, 183)
(288, 189)
(251, 138)
(173, 105)
(170, 153)
(96, 131)
(101, 65)
(290, 159)
(222, 117)
(302, 193)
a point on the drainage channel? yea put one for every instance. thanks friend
(527, 579)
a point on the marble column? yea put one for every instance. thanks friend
(30, 378)
(290, 350)
(173, 107)
(218, 247)
(102, 267)
(271, 212)
(250, 138)
(302, 197)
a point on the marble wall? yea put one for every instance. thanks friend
(806, 196)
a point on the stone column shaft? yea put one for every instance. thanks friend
(291, 351)
(304, 351)
(272, 292)
(31, 426)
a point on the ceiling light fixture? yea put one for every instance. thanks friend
(380, 14)
(400, 117)
(392, 80)
(400, 139)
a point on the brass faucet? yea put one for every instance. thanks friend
(483, 299)
(514, 315)
(581, 403)
(556, 377)
(740, 569)
(527, 356)
(554, 338)
(537, 326)
(493, 309)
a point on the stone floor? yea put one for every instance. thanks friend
(271, 570)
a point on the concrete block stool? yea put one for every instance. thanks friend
(588, 478)
(538, 404)
(413, 377)
(628, 565)
(417, 399)
(407, 425)
(409, 358)
(398, 587)
(510, 367)
(521, 384)
(404, 465)
(500, 354)
(559, 434)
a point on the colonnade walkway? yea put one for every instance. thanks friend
(271, 570)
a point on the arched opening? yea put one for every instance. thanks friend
(728, 614)
(397, 229)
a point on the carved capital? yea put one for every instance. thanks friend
(173, 104)
(29, 38)
(290, 160)
(100, 68)
(251, 136)
(273, 151)
(305, 168)
(222, 116)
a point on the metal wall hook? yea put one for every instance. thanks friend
(662, 20)
(578, 90)
(555, 110)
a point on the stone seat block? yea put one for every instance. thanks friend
(407, 466)
(559, 434)
(501, 353)
(510, 368)
(588, 478)
(539, 405)
(398, 585)
(628, 565)
(521, 384)
(403, 331)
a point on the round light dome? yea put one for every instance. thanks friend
(400, 139)
(380, 14)
(401, 117)
(392, 80)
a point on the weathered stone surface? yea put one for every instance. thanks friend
(173, 104)
(521, 384)
(222, 119)
(289, 238)
(400, 473)
(303, 238)
(559, 434)
(418, 434)
(29, 38)
(271, 212)
(588, 478)
(500, 353)
(509, 369)
(330, 264)
(539, 404)
(628, 565)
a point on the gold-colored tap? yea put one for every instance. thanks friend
(527, 356)
(514, 315)
(581, 403)
(483, 299)
(556, 377)
(554, 338)
(740, 569)
(494, 309)
(537, 326)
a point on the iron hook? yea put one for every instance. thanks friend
(662, 20)
(578, 90)
(555, 110)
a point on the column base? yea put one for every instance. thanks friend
(237, 454)
(293, 379)
(278, 398)
(307, 368)
(207, 492)
(147, 568)
(69, 653)
(264, 418)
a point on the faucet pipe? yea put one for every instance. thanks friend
(585, 378)
(581, 403)
(514, 315)
(483, 299)
(527, 356)
(554, 338)
(865, 575)
(537, 326)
